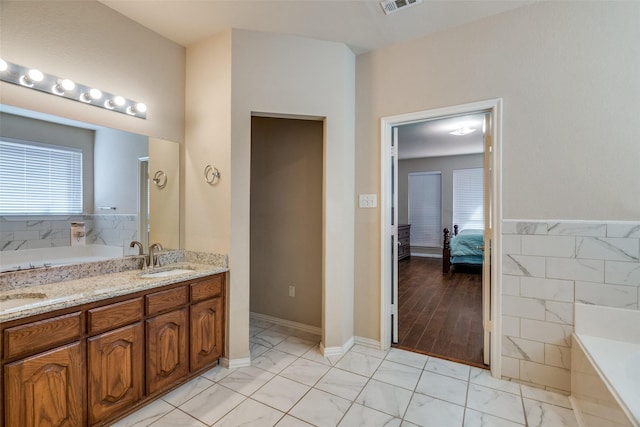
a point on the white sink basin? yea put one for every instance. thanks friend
(166, 273)
(8, 302)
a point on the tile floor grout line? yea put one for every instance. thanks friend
(311, 355)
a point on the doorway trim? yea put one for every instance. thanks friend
(386, 230)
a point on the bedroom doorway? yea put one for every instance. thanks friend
(436, 295)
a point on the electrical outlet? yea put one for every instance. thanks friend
(292, 291)
(368, 200)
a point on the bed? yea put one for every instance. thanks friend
(465, 247)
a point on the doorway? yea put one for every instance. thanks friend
(440, 183)
(286, 221)
(389, 222)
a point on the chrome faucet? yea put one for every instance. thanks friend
(139, 245)
(153, 259)
(145, 263)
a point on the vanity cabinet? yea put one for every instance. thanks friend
(94, 363)
(46, 389)
(206, 322)
(167, 359)
(116, 369)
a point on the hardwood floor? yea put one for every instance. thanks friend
(440, 314)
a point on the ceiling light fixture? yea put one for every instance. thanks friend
(65, 88)
(462, 130)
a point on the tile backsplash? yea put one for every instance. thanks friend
(546, 267)
(48, 232)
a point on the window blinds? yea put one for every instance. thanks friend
(424, 208)
(468, 198)
(39, 179)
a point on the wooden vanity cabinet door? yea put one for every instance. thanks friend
(167, 362)
(206, 333)
(116, 367)
(46, 389)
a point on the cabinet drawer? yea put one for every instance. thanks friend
(404, 231)
(207, 289)
(43, 334)
(166, 300)
(114, 315)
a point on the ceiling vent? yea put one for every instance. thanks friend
(391, 6)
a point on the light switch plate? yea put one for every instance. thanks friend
(368, 200)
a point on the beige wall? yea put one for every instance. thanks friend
(566, 72)
(286, 219)
(298, 76)
(164, 203)
(94, 45)
(230, 76)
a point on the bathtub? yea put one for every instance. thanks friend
(29, 258)
(605, 366)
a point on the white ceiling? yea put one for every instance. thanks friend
(360, 24)
(432, 138)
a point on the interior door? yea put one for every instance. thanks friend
(394, 236)
(488, 237)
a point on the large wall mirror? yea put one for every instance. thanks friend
(121, 187)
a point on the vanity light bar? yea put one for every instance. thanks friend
(36, 79)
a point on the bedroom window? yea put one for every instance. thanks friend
(468, 198)
(39, 179)
(424, 208)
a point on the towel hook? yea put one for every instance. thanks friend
(211, 174)
(160, 179)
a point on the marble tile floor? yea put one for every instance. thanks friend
(290, 384)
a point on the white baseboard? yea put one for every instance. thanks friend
(426, 255)
(336, 351)
(368, 342)
(288, 323)
(235, 363)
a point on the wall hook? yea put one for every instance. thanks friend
(160, 179)
(211, 174)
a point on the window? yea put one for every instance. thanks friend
(39, 179)
(468, 198)
(424, 208)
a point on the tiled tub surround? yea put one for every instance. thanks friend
(18, 233)
(547, 266)
(605, 373)
(66, 286)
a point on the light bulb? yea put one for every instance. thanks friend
(62, 86)
(36, 75)
(95, 93)
(68, 84)
(31, 77)
(3, 65)
(115, 101)
(135, 109)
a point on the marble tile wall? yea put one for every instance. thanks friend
(43, 232)
(546, 267)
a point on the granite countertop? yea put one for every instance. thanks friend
(70, 293)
